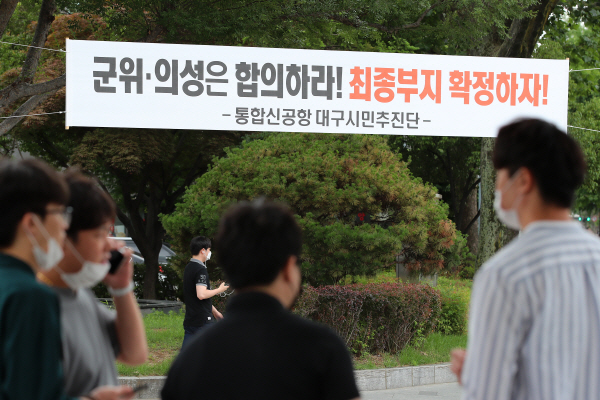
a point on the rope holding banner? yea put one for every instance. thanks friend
(36, 47)
(31, 115)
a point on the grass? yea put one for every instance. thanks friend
(434, 349)
(165, 334)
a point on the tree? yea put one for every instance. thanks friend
(523, 36)
(145, 171)
(442, 27)
(573, 33)
(23, 86)
(439, 26)
(451, 164)
(330, 182)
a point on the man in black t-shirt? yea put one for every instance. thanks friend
(199, 310)
(260, 350)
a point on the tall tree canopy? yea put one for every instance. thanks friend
(574, 32)
(439, 27)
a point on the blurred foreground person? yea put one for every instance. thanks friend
(260, 350)
(534, 328)
(33, 219)
(92, 335)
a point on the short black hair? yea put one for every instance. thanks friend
(254, 242)
(91, 205)
(554, 158)
(27, 186)
(198, 243)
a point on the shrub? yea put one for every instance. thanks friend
(328, 180)
(453, 318)
(455, 296)
(373, 317)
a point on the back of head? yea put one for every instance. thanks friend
(554, 158)
(92, 207)
(27, 186)
(255, 241)
(198, 243)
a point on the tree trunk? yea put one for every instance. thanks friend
(151, 275)
(470, 213)
(523, 36)
(7, 8)
(493, 234)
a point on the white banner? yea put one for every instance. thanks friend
(141, 85)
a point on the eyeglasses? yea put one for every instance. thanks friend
(66, 213)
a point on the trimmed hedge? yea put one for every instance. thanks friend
(373, 317)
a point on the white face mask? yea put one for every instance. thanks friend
(510, 217)
(88, 276)
(208, 255)
(45, 260)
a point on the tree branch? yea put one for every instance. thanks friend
(7, 8)
(19, 90)
(416, 24)
(39, 39)
(473, 221)
(25, 109)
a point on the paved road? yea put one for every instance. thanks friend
(446, 391)
(443, 391)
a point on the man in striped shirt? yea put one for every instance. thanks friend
(534, 329)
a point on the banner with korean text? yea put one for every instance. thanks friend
(141, 85)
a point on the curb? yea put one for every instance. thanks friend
(367, 380)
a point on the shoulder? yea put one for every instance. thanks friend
(33, 291)
(313, 332)
(35, 300)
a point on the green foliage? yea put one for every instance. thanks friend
(443, 27)
(455, 297)
(451, 164)
(19, 31)
(574, 32)
(327, 180)
(434, 349)
(374, 317)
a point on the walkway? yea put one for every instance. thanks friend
(442, 391)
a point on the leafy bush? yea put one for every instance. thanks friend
(373, 317)
(455, 296)
(327, 180)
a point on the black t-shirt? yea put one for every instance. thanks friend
(262, 351)
(197, 312)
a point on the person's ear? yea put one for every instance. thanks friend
(27, 223)
(527, 180)
(289, 269)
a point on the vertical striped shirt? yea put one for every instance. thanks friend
(534, 328)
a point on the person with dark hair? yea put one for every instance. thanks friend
(199, 311)
(260, 350)
(34, 217)
(92, 335)
(534, 322)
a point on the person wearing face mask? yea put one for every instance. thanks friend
(199, 311)
(33, 219)
(534, 321)
(92, 335)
